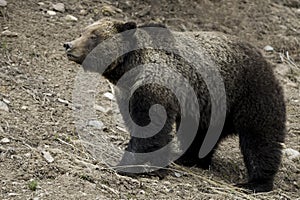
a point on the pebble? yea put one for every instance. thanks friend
(41, 3)
(63, 101)
(60, 7)
(24, 108)
(291, 153)
(51, 13)
(108, 10)
(3, 3)
(6, 101)
(71, 18)
(102, 109)
(8, 33)
(13, 194)
(178, 175)
(1, 130)
(292, 84)
(96, 124)
(268, 48)
(27, 155)
(109, 96)
(48, 156)
(3, 106)
(83, 12)
(5, 141)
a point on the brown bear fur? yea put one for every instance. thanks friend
(255, 102)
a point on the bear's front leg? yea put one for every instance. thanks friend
(149, 149)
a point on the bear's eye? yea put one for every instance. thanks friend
(93, 37)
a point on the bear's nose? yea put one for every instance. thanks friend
(67, 46)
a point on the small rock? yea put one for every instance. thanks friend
(3, 106)
(16, 157)
(109, 96)
(41, 3)
(122, 129)
(27, 155)
(13, 194)
(3, 3)
(63, 101)
(60, 7)
(268, 48)
(96, 124)
(178, 175)
(1, 130)
(5, 141)
(291, 153)
(292, 84)
(48, 156)
(108, 10)
(8, 33)
(83, 12)
(24, 108)
(48, 94)
(6, 101)
(71, 18)
(102, 109)
(51, 13)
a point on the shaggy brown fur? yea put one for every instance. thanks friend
(255, 102)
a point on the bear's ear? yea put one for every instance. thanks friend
(121, 27)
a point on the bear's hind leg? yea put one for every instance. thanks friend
(262, 159)
(261, 136)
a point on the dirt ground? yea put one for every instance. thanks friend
(37, 82)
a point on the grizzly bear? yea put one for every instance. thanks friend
(255, 107)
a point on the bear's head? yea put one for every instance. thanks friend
(94, 34)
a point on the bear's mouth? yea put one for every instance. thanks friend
(72, 57)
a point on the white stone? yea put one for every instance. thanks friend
(27, 155)
(178, 175)
(83, 12)
(109, 96)
(3, 3)
(71, 18)
(96, 124)
(3, 106)
(102, 109)
(60, 7)
(291, 153)
(8, 33)
(24, 108)
(6, 101)
(268, 48)
(51, 13)
(41, 3)
(5, 141)
(63, 101)
(48, 156)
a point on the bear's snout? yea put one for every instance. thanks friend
(68, 46)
